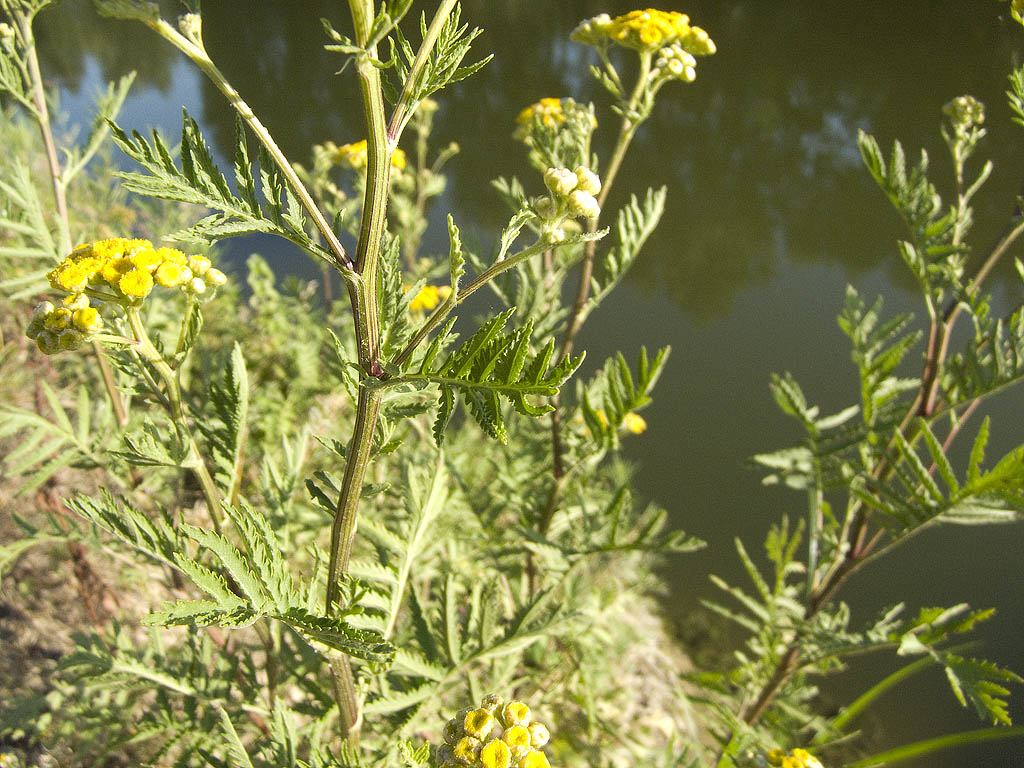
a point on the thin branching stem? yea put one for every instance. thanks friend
(445, 308)
(176, 410)
(407, 99)
(193, 47)
(631, 120)
(862, 548)
(41, 113)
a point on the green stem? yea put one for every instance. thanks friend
(193, 47)
(176, 410)
(442, 311)
(405, 105)
(627, 130)
(860, 550)
(866, 699)
(926, 747)
(631, 120)
(358, 458)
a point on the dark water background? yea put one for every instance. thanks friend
(769, 216)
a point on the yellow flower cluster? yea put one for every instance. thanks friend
(59, 329)
(634, 423)
(550, 112)
(496, 735)
(132, 268)
(547, 110)
(645, 30)
(429, 296)
(354, 156)
(798, 758)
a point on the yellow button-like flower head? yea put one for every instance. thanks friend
(518, 739)
(58, 319)
(515, 713)
(644, 30)
(136, 283)
(170, 274)
(468, 749)
(634, 423)
(87, 320)
(534, 759)
(146, 259)
(479, 723)
(427, 298)
(495, 754)
(115, 268)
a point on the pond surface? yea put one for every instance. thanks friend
(770, 215)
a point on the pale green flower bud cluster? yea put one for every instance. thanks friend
(554, 115)
(60, 329)
(964, 112)
(675, 63)
(573, 195)
(593, 31)
(495, 735)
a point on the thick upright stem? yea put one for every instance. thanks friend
(343, 532)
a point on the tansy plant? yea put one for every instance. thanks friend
(334, 522)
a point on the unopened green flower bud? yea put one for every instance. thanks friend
(593, 31)
(215, 277)
(561, 181)
(584, 204)
(47, 342)
(445, 753)
(545, 207)
(37, 320)
(553, 236)
(191, 25)
(587, 180)
(965, 111)
(452, 731)
(69, 339)
(196, 285)
(492, 703)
